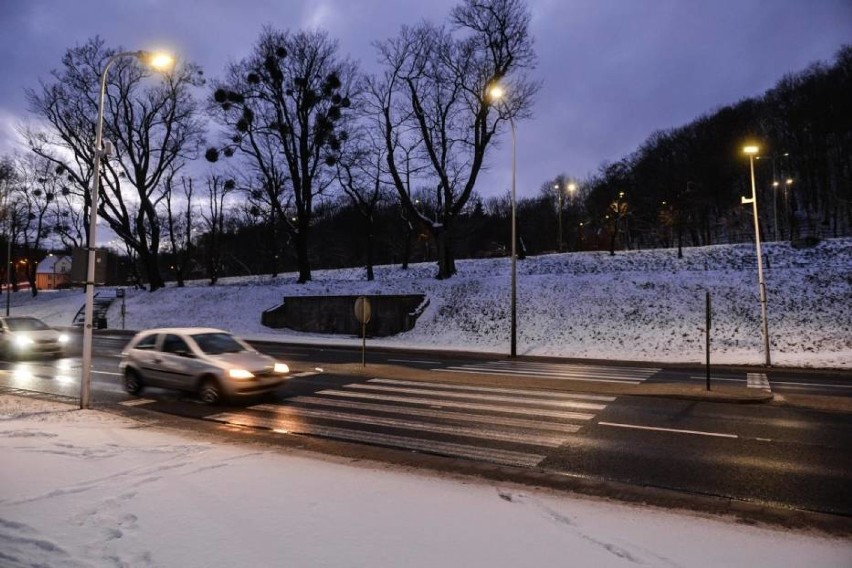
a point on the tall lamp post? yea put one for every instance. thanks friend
(571, 187)
(496, 92)
(751, 151)
(158, 61)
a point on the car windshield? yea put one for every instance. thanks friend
(26, 324)
(218, 343)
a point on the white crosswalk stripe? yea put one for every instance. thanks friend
(758, 381)
(557, 371)
(498, 425)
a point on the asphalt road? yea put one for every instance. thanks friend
(563, 417)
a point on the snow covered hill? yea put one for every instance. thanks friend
(636, 305)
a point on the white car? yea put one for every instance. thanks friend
(210, 362)
(24, 336)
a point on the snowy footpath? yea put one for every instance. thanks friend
(85, 488)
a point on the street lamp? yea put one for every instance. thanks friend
(751, 151)
(571, 187)
(496, 92)
(159, 61)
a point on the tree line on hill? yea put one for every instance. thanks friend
(314, 164)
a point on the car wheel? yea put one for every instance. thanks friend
(132, 382)
(210, 392)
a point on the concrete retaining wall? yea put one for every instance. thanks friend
(391, 314)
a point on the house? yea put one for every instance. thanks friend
(53, 272)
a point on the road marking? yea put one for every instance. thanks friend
(493, 398)
(557, 371)
(426, 413)
(413, 361)
(512, 373)
(757, 381)
(305, 374)
(673, 430)
(420, 426)
(136, 402)
(504, 457)
(106, 373)
(468, 405)
(474, 388)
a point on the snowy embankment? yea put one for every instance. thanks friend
(636, 305)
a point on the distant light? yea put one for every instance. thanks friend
(751, 149)
(572, 187)
(496, 92)
(789, 181)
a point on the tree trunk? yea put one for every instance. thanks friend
(152, 270)
(446, 261)
(370, 244)
(302, 261)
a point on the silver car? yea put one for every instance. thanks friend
(210, 362)
(24, 336)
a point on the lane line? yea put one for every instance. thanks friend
(436, 403)
(673, 430)
(552, 372)
(414, 361)
(493, 398)
(424, 412)
(509, 373)
(474, 388)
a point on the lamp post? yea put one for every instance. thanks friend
(751, 151)
(157, 61)
(496, 92)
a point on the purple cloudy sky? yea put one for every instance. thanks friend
(613, 71)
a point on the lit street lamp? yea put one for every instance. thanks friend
(158, 61)
(775, 185)
(751, 151)
(496, 92)
(571, 187)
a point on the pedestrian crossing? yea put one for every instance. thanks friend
(758, 381)
(557, 371)
(497, 425)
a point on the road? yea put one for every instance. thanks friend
(569, 418)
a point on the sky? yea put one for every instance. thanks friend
(613, 71)
(130, 494)
(644, 305)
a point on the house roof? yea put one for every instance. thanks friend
(48, 265)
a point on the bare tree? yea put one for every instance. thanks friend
(434, 97)
(35, 190)
(154, 129)
(287, 105)
(213, 217)
(179, 225)
(361, 173)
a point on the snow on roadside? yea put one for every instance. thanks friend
(89, 489)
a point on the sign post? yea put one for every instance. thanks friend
(363, 313)
(708, 317)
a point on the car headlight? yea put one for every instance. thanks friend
(63, 339)
(22, 342)
(281, 368)
(240, 374)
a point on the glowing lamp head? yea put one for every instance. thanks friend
(751, 149)
(496, 92)
(157, 60)
(572, 187)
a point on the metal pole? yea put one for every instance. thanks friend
(8, 252)
(86, 374)
(760, 279)
(559, 233)
(707, 322)
(514, 346)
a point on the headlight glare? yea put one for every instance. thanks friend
(281, 368)
(63, 339)
(22, 342)
(240, 374)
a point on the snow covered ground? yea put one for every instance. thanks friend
(83, 488)
(636, 305)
